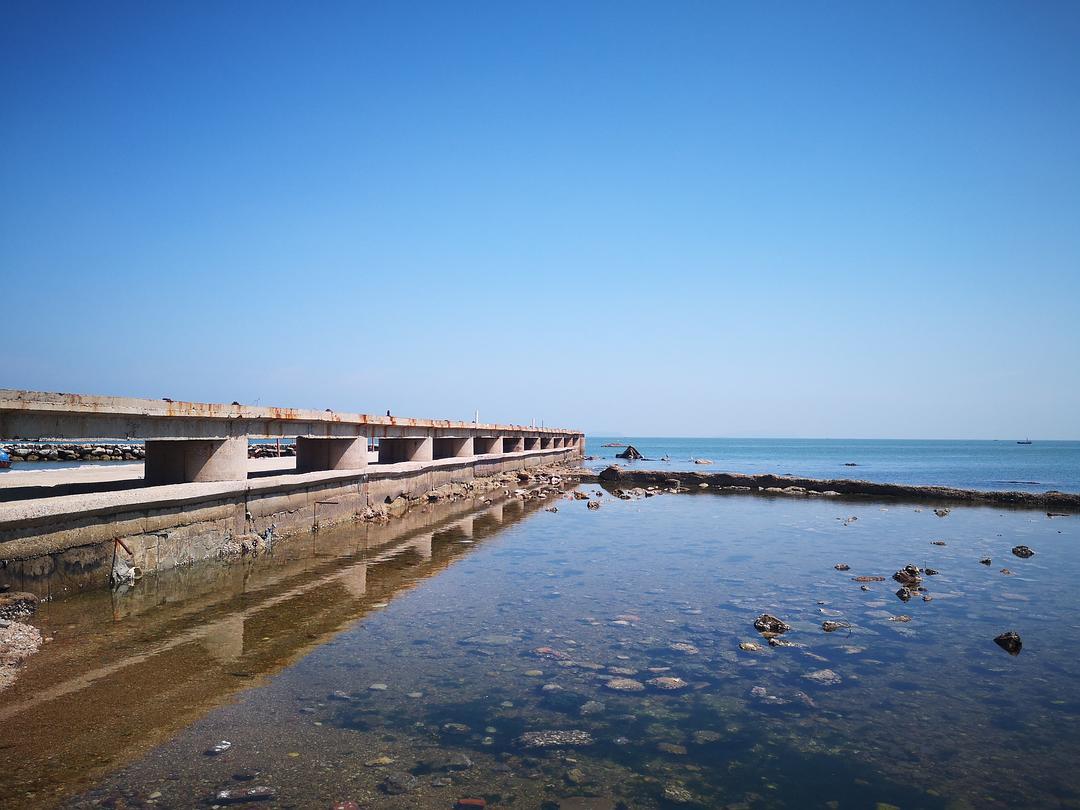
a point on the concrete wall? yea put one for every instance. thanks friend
(68, 544)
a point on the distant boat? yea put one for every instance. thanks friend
(1025, 441)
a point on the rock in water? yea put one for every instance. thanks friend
(1023, 551)
(624, 685)
(830, 626)
(1009, 642)
(667, 684)
(766, 623)
(554, 739)
(631, 453)
(825, 677)
(397, 783)
(908, 575)
(255, 794)
(842, 567)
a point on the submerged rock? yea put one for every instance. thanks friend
(253, 794)
(667, 684)
(1010, 642)
(830, 626)
(1023, 551)
(825, 677)
(594, 504)
(868, 579)
(842, 567)
(985, 561)
(677, 794)
(397, 783)
(684, 647)
(767, 623)
(554, 739)
(624, 685)
(750, 646)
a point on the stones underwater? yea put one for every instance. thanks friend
(554, 739)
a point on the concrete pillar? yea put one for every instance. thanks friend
(393, 450)
(513, 444)
(331, 453)
(453, 447)
(486, 445)
(183, 461)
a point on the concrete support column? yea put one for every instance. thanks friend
(513, 444)
(393, 450)
(331, 454)
(486, 445)
(184, 461)
(453, 447)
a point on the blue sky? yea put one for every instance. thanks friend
(752, 219)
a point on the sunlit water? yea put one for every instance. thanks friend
(927, 713)
(990, 465)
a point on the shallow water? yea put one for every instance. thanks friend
(927, 713)
(987, 465)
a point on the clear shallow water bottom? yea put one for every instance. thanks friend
(927, 713)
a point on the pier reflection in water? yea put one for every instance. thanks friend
(124, 671)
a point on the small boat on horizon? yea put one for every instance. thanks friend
(1025, 441)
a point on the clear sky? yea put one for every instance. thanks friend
(720, 219)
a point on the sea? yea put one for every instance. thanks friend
(984, 465)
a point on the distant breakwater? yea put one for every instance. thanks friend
(75, 452)
(768, 484)
(111, 451)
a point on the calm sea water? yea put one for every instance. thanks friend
(342, 668)
(1035, 467)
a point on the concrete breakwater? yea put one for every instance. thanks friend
(768, 484)
(75, 452)
(107, 451)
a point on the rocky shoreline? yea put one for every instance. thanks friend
(779, 485)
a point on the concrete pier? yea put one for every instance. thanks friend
(199, 492)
